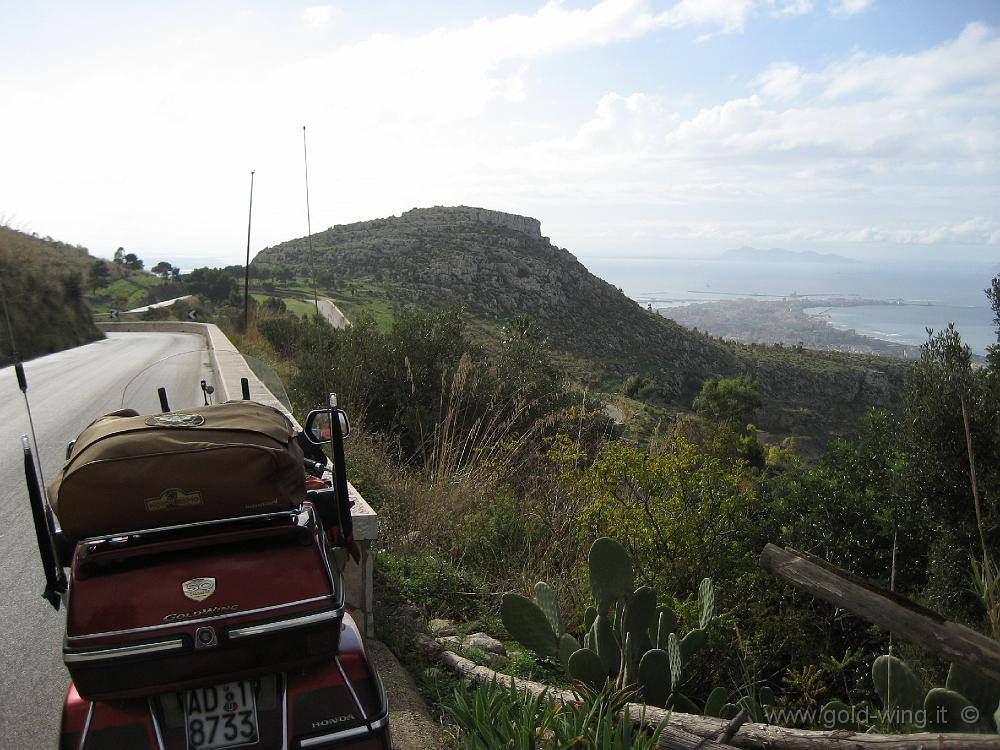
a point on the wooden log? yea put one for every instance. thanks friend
(690, 732)
(671, 738)
(769, 736)
(889, 611)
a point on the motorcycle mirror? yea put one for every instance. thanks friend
(319, 427)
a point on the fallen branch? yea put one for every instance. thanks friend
(889, 611)
(670, 738)
(690, 732)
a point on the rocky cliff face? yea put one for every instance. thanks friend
(499, 265)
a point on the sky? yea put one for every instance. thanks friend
(629, 128)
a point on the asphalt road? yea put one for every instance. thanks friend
(67, 391)
(332, 313)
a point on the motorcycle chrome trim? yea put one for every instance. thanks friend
(86, 727)
(277, 627)
(124, 651)
(156, 724)
(350, 687)
(346, 734)
(290, 514)
(184, 623)
(383, 696)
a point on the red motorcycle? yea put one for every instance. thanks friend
(205, 601)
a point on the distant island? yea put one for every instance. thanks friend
(778, 254)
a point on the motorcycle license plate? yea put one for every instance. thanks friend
(220, 716)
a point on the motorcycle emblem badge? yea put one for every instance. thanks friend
(175, 420)
(198, 589)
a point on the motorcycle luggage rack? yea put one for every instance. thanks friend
(119, 541)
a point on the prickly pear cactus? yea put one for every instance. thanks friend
(588, 617)
(901, 692)
(664, 623)
(630, 664)
(674, 652)
(694, 641)
(716, 701)
(706, 602)
(528, 625)
(607, 645)
(568, 645)
(948, 711)
(611, 576)
(545, 598)
(654, 677)
(639, 613)
(585, 666)
(983, 693)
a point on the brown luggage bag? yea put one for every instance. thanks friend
(128, 473)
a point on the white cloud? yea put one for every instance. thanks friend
(318, 16)
(823, 153)
(871, 147)
(790, 7)
(729, 15)
(850, 7)
(783, 80)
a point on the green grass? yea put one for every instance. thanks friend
(135, 285)
(364, 296)
(295, 306)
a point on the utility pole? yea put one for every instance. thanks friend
(312, 264)
(246, 279)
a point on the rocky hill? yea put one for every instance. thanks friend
(499, 265)
(43, 282)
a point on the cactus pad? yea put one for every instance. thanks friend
(585, 666)
(898, 687)
(654, 677)
(716, 701)
(692, 642)
(706, 602)
(545, 598)
(948, 711)
(568, 645)
(611, 576)
(528, 625)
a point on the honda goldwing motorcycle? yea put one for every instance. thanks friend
(205, 602)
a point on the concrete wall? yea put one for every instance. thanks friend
(230, 366)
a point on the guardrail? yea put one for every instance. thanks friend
(229, 367)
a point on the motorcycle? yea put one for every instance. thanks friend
(205, 599)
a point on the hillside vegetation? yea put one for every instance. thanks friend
(490, 471)
(43, 281)
(500, 266)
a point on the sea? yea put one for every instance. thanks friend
(917, 296)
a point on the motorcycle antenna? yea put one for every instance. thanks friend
(246, 280)
(312, 264)
(22, 380)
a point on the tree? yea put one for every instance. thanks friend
(132, 262)
(163, 269)
(213, 283)
(98, 274)
(729, 401)
(120, 256)
(993, 295)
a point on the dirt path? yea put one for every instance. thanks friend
(410, 722)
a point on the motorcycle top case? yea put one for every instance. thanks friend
(128, 472)
(182, 607)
